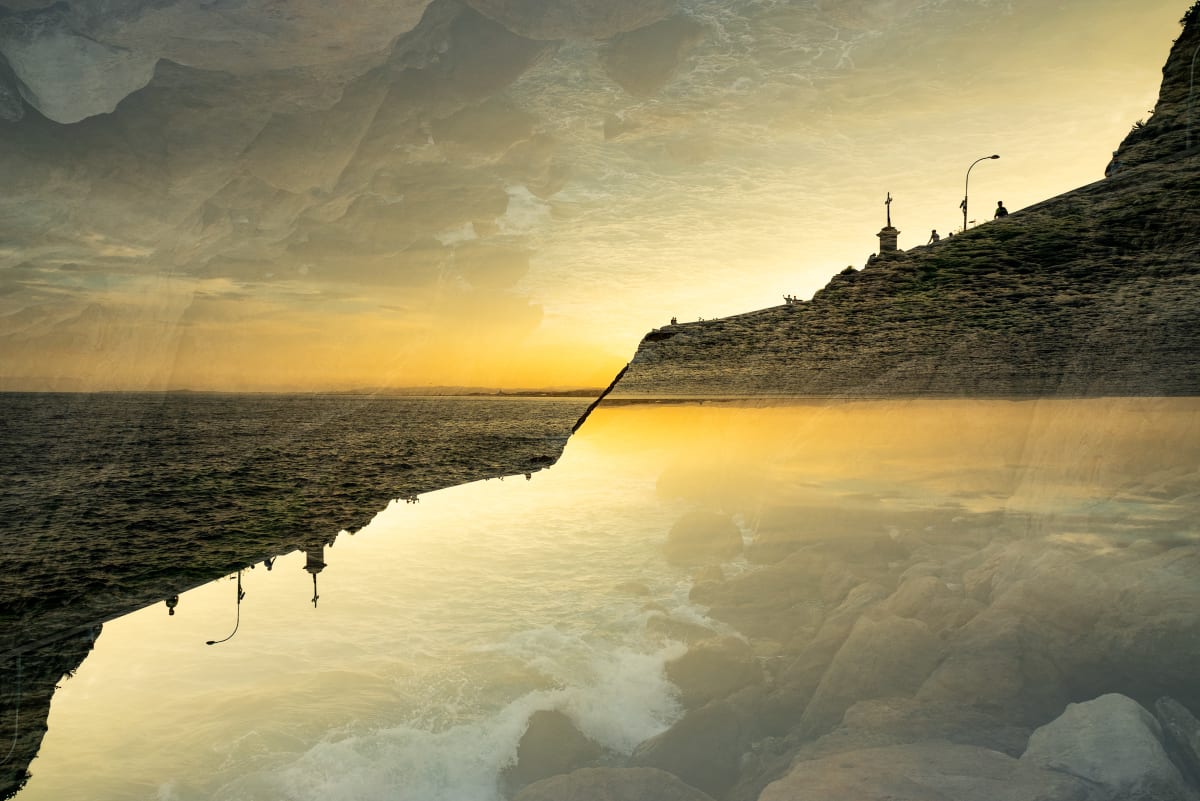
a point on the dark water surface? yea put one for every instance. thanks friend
(827, 600)
(103, 493)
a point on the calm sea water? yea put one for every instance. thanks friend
(405, 663)
(440, 627)
(111, 501)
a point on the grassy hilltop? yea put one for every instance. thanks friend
(1095, 292)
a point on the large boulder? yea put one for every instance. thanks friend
(612, 784)
(551, 745)
(714, 669)
(572, 19)
(1114, 743)
(642, 61)
(923, 772)
(69, 77)
(704, 747)
(1181, 735)
(883, 656)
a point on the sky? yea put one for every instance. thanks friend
(504, 193)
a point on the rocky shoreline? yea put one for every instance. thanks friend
(979, 665)
(1089, 294)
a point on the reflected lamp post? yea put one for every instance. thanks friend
(967, 183)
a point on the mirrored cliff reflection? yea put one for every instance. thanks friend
(824, 600)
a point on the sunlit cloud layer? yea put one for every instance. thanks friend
(253, 195)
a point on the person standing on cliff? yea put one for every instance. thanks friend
(1000, 210)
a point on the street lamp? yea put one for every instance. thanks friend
(968, 183)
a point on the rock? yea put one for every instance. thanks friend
(642, 61)
(883, 656)
(1181, 735)
(68, 77)
(550, 746)
(802, 675)
(572, 19)
(701, 536)
(301, 152)
(703, 748)
(900, 721)
(255, 36)
(674, 629)
(932, 601)
(923, 772)
(12, 108)
(612, 784)
(1113, 742)
(713, 669)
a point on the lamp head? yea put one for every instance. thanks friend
(994, 156)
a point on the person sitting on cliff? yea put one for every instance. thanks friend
(1000, 210)
(933, 237)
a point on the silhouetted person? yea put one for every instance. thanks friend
(933, 237)
(674, 321)
(1000, 210)
(172, 602)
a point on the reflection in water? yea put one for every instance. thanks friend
(877, 590)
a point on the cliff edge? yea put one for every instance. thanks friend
(1095, 292)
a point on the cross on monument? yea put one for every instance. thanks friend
(888, 203)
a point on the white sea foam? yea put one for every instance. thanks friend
(623, 699)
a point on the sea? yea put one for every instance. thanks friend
(398, 651)
(478, 589)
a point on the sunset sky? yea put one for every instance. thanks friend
(437, 193)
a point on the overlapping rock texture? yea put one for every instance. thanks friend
(1095, 292)
(887, 651)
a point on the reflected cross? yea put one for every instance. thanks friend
(888, 203)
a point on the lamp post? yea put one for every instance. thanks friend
(967, 183)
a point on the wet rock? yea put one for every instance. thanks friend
(701, 536)
(12, 108)
(1113, 742)
(900, 721)
(803, 673)
(551, 745)
(252, 36)
(69, 77)
(883, 656)
(302, 152)
(572, 19)
(704, 747)
(642, 61)
(714, 669)
(1181, 735)
(924, 772)
(612, 784)
(675, 629)
(934, 602)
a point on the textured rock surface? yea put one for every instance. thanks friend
(612, 784)
(882, 657)
(551, 745)
(1095, 292)
(1181, 736)
(713, 669)
(69, 77)
(561, 19)
(924, 772)
(1111, 741)
(642, 61)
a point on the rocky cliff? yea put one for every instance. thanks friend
(1094, 292)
